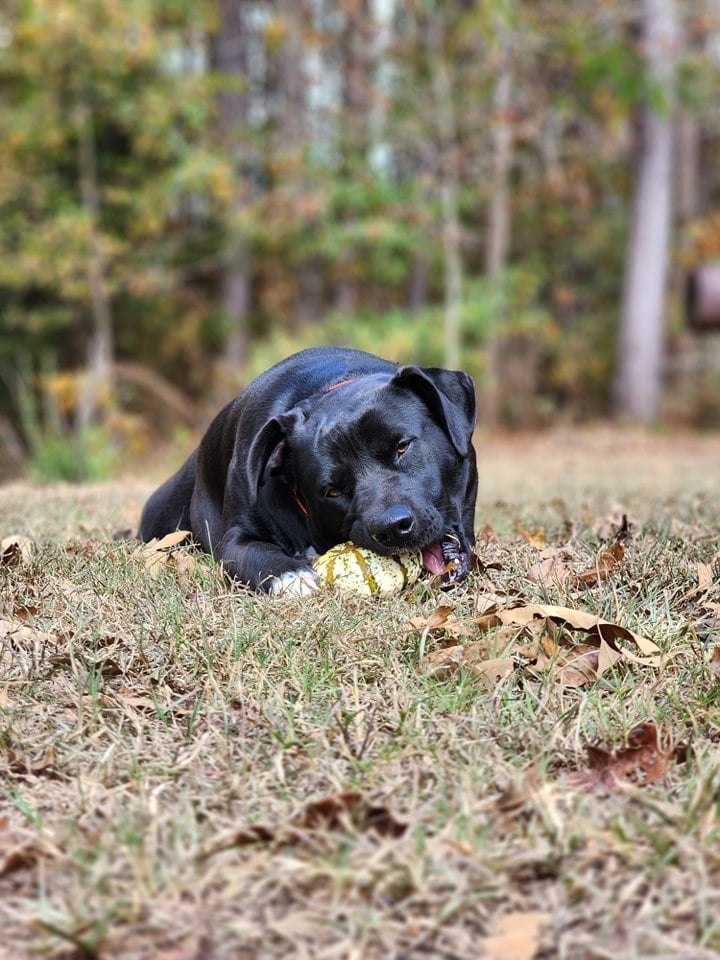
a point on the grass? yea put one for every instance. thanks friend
(191, 771)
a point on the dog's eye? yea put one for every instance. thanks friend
(402, 447)
(332, 493)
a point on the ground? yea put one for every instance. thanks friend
(527, 767)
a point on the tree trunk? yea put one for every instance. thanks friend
(689, 179)
(498, 236)
(98, 383)
(228, 57)
(417, 284)
(449, 188)
(293, 137)
(356, 65)
(640, 343)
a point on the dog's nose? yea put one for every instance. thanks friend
(393, 525)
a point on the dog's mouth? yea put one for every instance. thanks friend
(446, 559)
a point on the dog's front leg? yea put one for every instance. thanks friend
(266, 567)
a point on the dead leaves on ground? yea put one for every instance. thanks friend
(538, 637)
(22, 849)
(642, 760)
(572, 644)
(557, 565)
(16, 549)
(347, 812)
(159, 554)
(515, 936)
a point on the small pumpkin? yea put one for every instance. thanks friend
(361, 571)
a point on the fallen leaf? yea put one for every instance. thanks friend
(489, 602)
(543, 645)
(442, 618)
(159, 553)
(608, 633)
(705, 578)
(351, 807)
(495, 669)
(536, 538)
(516, 936)
(15, 854)
(640, 762)
(554, 565)
(16, 549)
(21, 765)
(23, 637)
(606, 565)
(440, 664)
(348, 811)
(580, 667)
(437, 618)
(715, 662)
(486, 535)
(617, 525)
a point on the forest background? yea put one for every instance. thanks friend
(191, 189)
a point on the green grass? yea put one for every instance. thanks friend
(147, 726)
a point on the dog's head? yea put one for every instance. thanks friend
(386, 462)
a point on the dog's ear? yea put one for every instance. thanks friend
(450, 397)
(268, 451)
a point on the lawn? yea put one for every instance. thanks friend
(526, 767)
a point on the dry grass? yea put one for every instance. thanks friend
(164, 742)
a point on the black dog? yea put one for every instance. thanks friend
(327, 446)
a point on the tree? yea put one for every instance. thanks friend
(229, 59)
(102, 149)
(449, 185)
(640, 341)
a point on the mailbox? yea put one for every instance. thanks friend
(702, 298)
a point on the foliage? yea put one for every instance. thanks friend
(59, 450)
(301, 145)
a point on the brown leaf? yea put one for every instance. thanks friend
(516, 936)
(606, 565)
(715, 662)
(470, 656)
(349, 808)
(580, 667)
(705, 578)
(608, 633)
(442, 618)
(536, 538)
(617, 525)
(441, 663)
(494, 669)
(347, 811)
(22, 636)
(554, 565)
(487, 603)
(158, 553)
(18, 764)
(436, 619)
(640, 762)
(15, 854)
(486, 535)
(16, 549)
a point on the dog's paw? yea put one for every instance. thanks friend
(294, 583)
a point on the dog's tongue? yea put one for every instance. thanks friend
(433, 560)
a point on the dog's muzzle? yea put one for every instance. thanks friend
(393, 526)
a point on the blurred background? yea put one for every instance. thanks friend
(192, 189)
